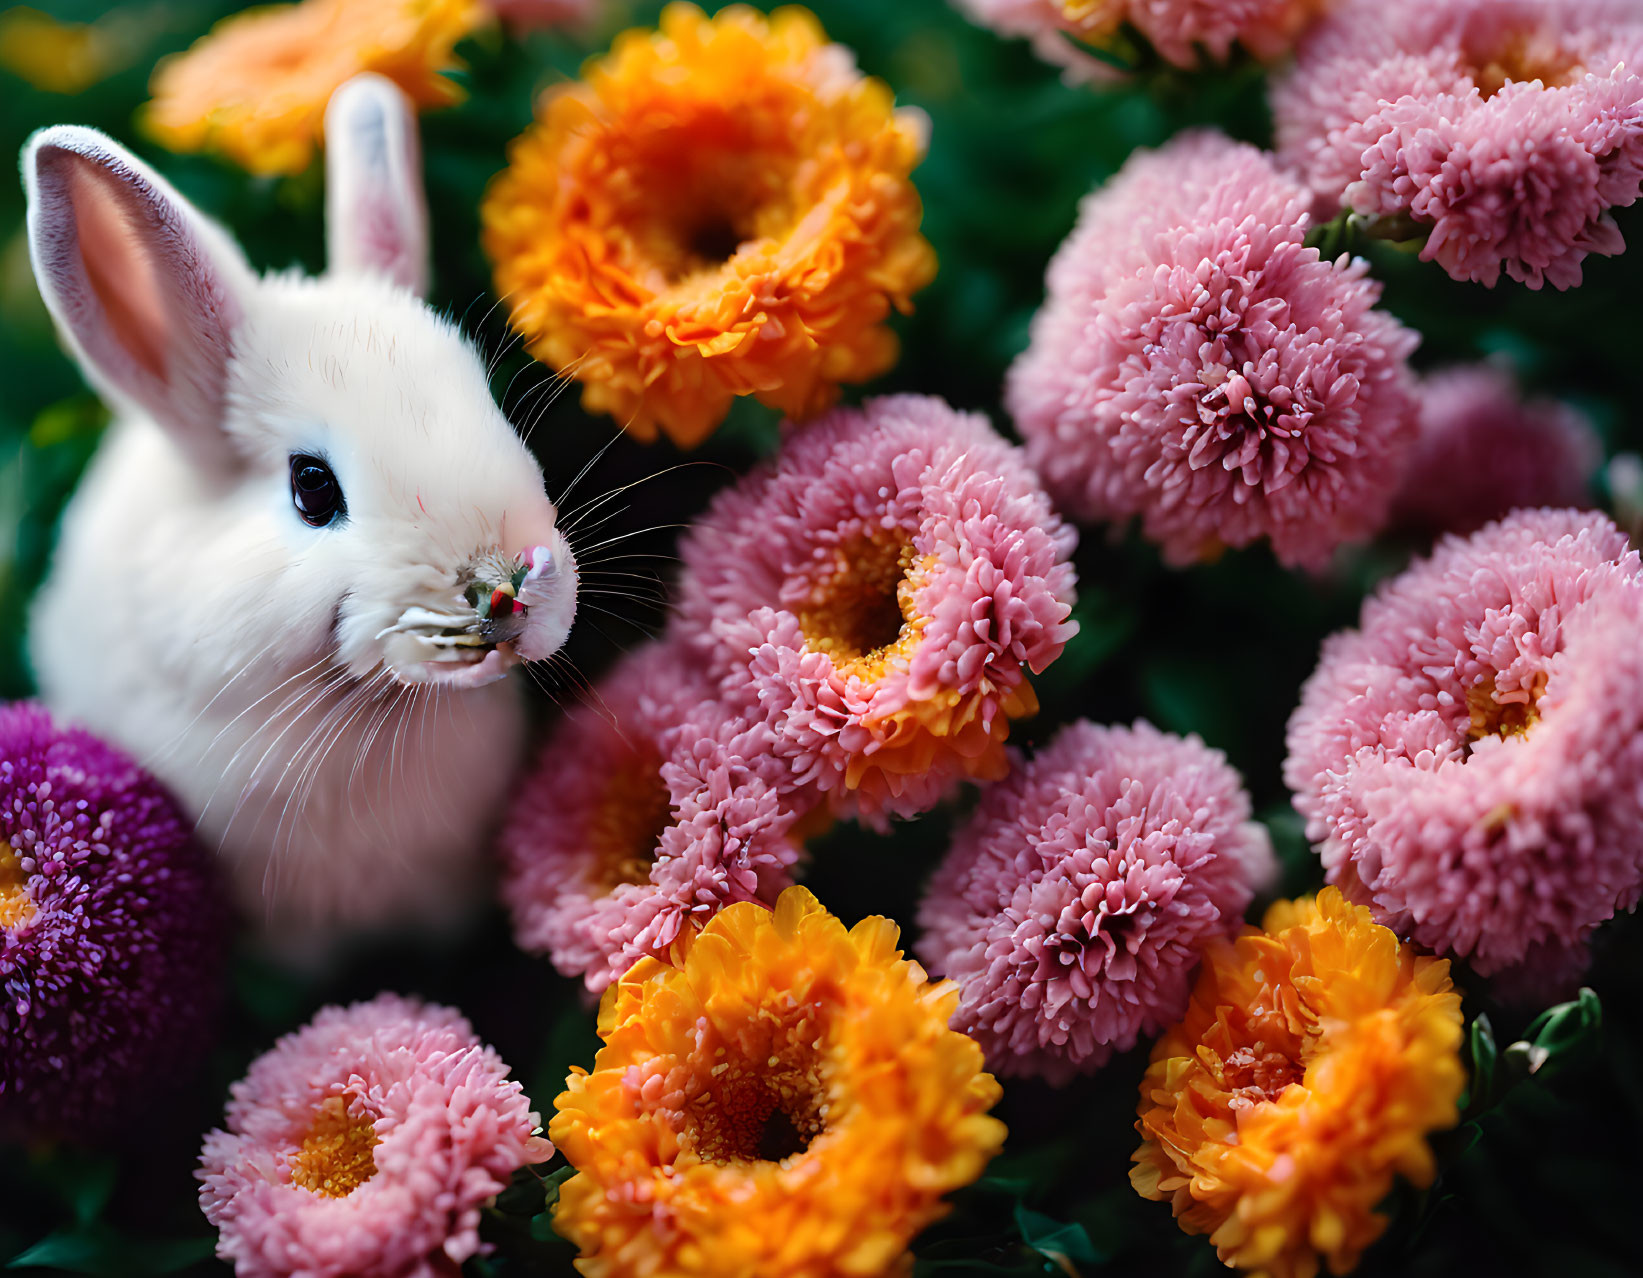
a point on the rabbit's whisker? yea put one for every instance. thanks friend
(593, 503)
(305, 699)
(586, 467)
(621, 537)
(340, 715)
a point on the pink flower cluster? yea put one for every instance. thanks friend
(1506, 129)
(1074, 904)
(650, 807)
(1180, 31)
(981, 593)
(1470, 759)
(1484, 451)
(1196, 365)
(364, 1146)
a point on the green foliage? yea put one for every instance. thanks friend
(1561, 1036)
(995, 1234)
(520, 1226)
(108, 1253)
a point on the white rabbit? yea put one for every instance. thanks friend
(310, 547)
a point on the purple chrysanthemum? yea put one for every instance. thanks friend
(1505, 128)
(1198, 366)
(1483, 451)
(1182, 32)
(653, 807)
(1075, 902)
(364, 1145)
(879, 591)
(1470, 759)
(112, 927)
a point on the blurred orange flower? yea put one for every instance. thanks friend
(65, 57)
(254, 88)
(784, 1098)
(722, 207)
(1315, 1057)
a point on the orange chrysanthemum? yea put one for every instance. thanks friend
(254, 88)
(784, 1098)
(718, 208)
(1315, 1057)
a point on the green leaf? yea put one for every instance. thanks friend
(1349, 232)
(524, 1197)
(77, 418)
(1065, 1245)
(1485, 1058)
(1558, 1036)
(105, 1253)
(81, 1179)
(551, 1185)
(1568, 1025)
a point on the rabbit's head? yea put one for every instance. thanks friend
(335, 428)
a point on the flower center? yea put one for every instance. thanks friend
(1259, 1073)
(335, 1156)
(1088, 944)
(1093, 17)
(16, 905)
(714, 240)
(862, 605)
(688, 194)
(1503, 714)
(632, 815)
(1523, 58)
(760, 1106)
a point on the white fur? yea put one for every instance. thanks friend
(192, 616)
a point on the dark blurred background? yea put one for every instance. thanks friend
(1543, 1182)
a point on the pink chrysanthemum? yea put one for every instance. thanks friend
(364, 1145)
(654, 806)
(1483, 451)
(1470, 759)
(1073, 906)
(1198, 366)
(1180, 31)
(879, 591)
(1506, 128)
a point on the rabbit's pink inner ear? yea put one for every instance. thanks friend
(140, 282)
(376, 215)
(121, 277)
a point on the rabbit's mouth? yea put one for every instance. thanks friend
(512, 609)
(426, 646)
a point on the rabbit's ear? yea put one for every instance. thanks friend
(148, 291)
(376, 219)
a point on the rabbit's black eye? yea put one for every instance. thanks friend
(315, 491)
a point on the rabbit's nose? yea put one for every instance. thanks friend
(547, 592)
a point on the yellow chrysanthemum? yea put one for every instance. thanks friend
(1315, 1057)
(718, 208)
(784, 1098)
(254, 88)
